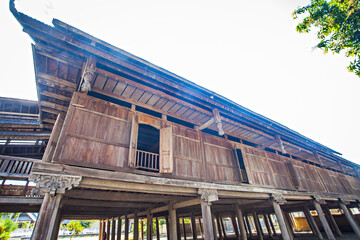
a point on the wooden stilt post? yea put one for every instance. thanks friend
(136, 227)
(267, 226)
(201, 228)
(126, 227)
(108, 229)
(45, 227)
(235, 226)
(213, 218)
(207, 196)
(249, 226)
(100, 229)
(167, 228)
(242, 229)
(350, 217)
(178, 230)
(259, 231)
(157, 229)
(312, 223)
(149, 226)
(332, 221)
(119, 229)
(322, 218)
(193, 226)
(218, 223)
(142, 229)
(288, 224)
(222, 226)
(184, 229)
(268, 216)
(276, 201)
(113, 223)
(172, 223)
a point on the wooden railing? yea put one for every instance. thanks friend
(147, 160)
(15, 167)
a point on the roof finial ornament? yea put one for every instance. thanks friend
(88, 75)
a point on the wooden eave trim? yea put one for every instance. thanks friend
(260, 123)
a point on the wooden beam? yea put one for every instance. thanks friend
(109, 204)
(53, 105)
(49, 120)
(207, 124)
(187, 203)
(56, 80)
(56, 96)
(52, 111)
(280, 143)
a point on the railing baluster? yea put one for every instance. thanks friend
(147, 160)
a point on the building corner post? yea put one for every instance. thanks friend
(207, 196)
(277, 200)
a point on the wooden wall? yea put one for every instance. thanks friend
(97, 134)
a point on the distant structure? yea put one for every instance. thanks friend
(126, 139)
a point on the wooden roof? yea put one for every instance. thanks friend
(60, 52)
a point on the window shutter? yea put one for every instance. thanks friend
(166, 150)
(133, 141)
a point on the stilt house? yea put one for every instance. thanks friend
(131, 140)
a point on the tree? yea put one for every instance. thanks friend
(6, 227)
(338, 23)
(75, 227)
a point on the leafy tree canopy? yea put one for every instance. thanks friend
(75, 227)
(6, 227)
(338, 24)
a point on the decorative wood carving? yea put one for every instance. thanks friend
(319, 200)
(54, 183)
(208, 195)
(88, 75)
(278, 198)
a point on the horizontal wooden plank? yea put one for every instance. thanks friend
(56, 80)
(56, 96)
(53, 105)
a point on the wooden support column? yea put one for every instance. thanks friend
(113, 223)
(267, 225)
(193, 226)
(218, 227)
(118, 237)
(222, 225)
(249, 226)
(201, 228)
(184, 230)
(107, 229)
(312, 223)
(242, 229)
(276, 201)
(332, 221)
(48, 215)
(207, 196)
(167, 228)
(178, 230)
(127, 228)
(136, 227)
(214, 227)
(268, 216)
(142, 229)
(288, 224)
(100, 229)
(350, 217)
(235, 227)
(259, 231)
(317, 201)
(172, 223)
(54, 186)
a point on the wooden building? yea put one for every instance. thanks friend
(130, 140)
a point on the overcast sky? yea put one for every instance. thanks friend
(247, 51)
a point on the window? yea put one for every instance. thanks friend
(147, 151)
(151, 147)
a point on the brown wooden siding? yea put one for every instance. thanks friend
(96, 134)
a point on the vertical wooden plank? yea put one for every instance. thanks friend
(119, 229)
(166, 150)
(133, 140)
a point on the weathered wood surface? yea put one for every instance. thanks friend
(97, 134)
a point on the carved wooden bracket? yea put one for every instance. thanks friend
(319, 200)
(280, 143)
(278, 198)
(88, 74)
(208, 195)
(54, 183)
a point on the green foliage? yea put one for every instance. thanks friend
(6, 227)
(75, 227)
(86, 223)
(338, 27)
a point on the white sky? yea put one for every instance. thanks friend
(247, 51)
